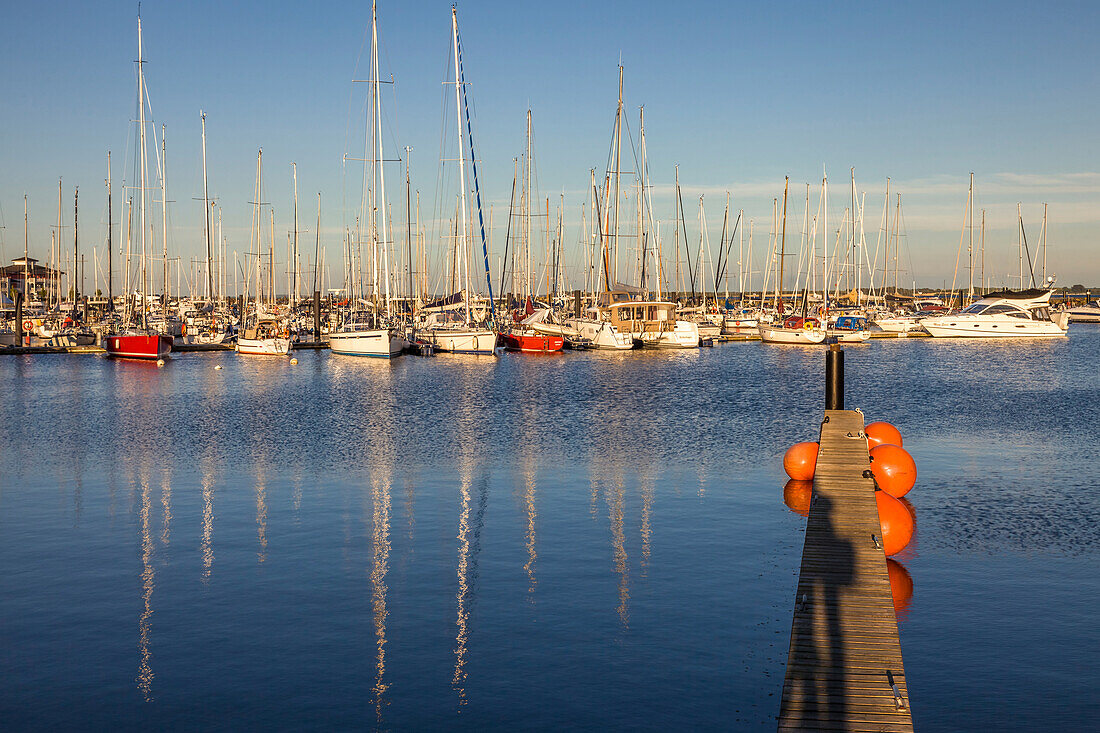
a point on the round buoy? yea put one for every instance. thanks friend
(895, 521)
(894, 469)
(293, 361)
(219, 366)
(800, 461)
(160, 362)
(901, 584)
(797, 495)
(880, 432)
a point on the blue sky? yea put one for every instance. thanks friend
(738, 95)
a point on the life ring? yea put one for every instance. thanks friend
(808, 326)
(28, 325)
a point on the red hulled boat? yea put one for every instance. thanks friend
(138, 345)
(530, 341)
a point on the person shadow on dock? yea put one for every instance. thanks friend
(817, 686)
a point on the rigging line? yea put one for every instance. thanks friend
(473, 165)
(507, 236)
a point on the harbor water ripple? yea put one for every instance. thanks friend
(590, 540)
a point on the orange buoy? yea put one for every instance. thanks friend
(901, 584)
(895, 521)
(797, 495)
(880, 432)
(894, 469)
(800, 461)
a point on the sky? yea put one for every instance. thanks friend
(736, 96)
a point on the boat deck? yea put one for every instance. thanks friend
(844, 667)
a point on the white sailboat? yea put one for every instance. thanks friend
(467, 337)
(267, 336)
(362, 336)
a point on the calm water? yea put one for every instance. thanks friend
(587, 540)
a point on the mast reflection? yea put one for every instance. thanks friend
(458, 682)
(166, 502)
(530, 538)
(145, 671)
(647, 509)
(207, 544)
(380, 551)
(615, 513)
(261, 513)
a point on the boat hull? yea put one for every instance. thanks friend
(949, 327)
(263, 347)
(602, 335)
(532, 342)
(138, 346)
(797, 336)
(684, 335)
(462, 341)
(378, 343)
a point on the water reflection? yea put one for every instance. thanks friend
(530, 539)
(458, 681)
(615, 512)
(166, 502)
(647, 510)
(380, 554)
(145, 670)
(261, 512)
(207, 544)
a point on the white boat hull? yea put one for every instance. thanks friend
(603, 335)
(778, 335)
(685, 335)
(263, 347)
(462, 341)
(970, 327)
(379, 343)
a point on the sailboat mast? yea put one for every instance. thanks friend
(783, 239)
(982, 247)
(76, 251)
(618, 166)
(970, 246)
(381, 193)
(296, 284)
(408, 231)
(527, 212)
(143, 164)
(206, 216)
(461, 161)
(164, 211)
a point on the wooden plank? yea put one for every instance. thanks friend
(844, 634)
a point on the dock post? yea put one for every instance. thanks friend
(19, 313)
(834, 378)
(316, 315)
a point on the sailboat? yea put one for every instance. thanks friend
(467, 336)
(266, 336)
(794, 329)
(143, 342)
(367, 334)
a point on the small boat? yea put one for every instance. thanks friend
(1007, 314)
(850, 330)
(531, 341)
(461, 340)
(793, 330)
(361, 339)
(265, 339)
(137, 345)
(653, 324)
(1087, 313)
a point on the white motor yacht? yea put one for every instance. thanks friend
(1008, 314)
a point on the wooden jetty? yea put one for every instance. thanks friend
(844, 667)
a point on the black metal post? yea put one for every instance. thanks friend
(834, 378)
(19, 313)
(316, 315)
